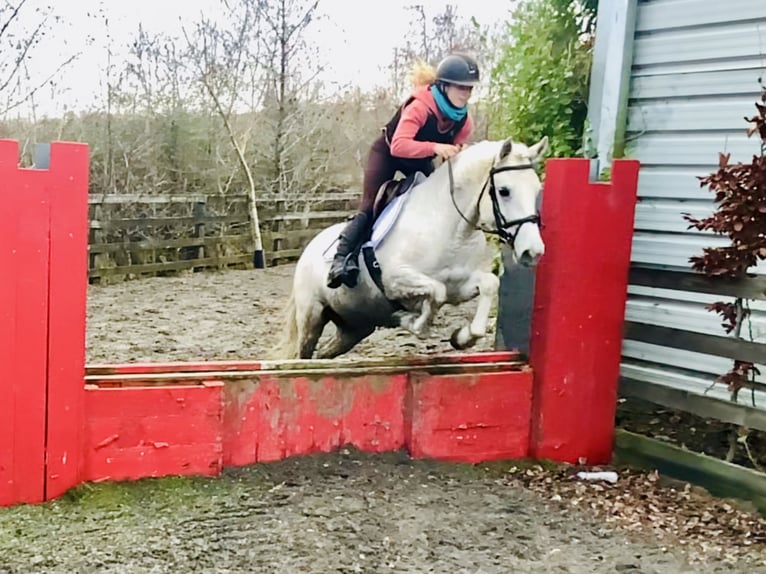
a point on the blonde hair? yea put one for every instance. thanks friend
(422, 74)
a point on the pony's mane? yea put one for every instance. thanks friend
(479, 156)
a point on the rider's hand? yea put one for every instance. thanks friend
(446, 151)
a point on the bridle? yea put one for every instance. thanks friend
(502, 225)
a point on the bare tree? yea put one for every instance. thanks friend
(439, 34)
(283, 47)
(22, 29)
(225, 57)
(436, 36)
(420, 26)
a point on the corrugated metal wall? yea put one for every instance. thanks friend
(697, 71)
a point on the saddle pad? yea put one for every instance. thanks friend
(390, 213)
(385, 221)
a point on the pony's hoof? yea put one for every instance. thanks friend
(462, 339)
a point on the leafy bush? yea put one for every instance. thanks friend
(540, 81)
(740, 195)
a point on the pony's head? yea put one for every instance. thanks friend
(508, 205)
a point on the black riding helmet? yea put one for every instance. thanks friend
(459, 69)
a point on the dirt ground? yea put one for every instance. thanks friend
(233, 314)
(347, 511)
(340, 513)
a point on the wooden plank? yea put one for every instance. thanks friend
(753, 287)
(186, 264)
(295, 369)
(299, 235)
(719, 477)
(285, 415)
(171, 367)
(284, 254)
(24, 260)
(144, 222)
(701, 405)
(133, 198)
(508, 360)
(318, 197)
(339, 215)
(170, 266)
(470, 418)
(697, 342)
(165, 243)
(133, 433)
(68, 181)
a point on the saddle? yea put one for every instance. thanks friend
(391, 189)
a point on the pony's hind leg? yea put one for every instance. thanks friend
(311, 322)
(342, 341)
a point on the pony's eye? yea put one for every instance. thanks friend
(504, 192)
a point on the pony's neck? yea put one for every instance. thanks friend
(456, 209)
(470, 170)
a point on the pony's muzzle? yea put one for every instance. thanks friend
(529, 259)
(529, 246)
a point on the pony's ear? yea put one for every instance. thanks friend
(506, 149)
(537, 150)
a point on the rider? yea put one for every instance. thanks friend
(433, 121)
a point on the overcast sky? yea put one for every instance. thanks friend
(356, 38)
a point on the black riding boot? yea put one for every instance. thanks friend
(345, 268)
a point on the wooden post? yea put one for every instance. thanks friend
(278, 229)
(97, 260)
(199, 212)
(577, 322)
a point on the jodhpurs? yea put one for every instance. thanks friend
(381, 167)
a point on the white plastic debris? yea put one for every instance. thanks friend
(607, 476)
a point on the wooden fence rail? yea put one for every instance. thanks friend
(132, 236)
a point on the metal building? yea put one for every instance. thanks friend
(672, 83)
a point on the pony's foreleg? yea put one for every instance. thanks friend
(486, 285)
(415, 286)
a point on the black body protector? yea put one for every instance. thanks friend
(429, 132)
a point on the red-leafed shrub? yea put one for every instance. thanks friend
(740, 195)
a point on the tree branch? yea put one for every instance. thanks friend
(31, 93)
(14, 14)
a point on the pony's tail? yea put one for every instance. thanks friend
(287, 345)
(422, 74)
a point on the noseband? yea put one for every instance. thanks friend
(502, 225)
